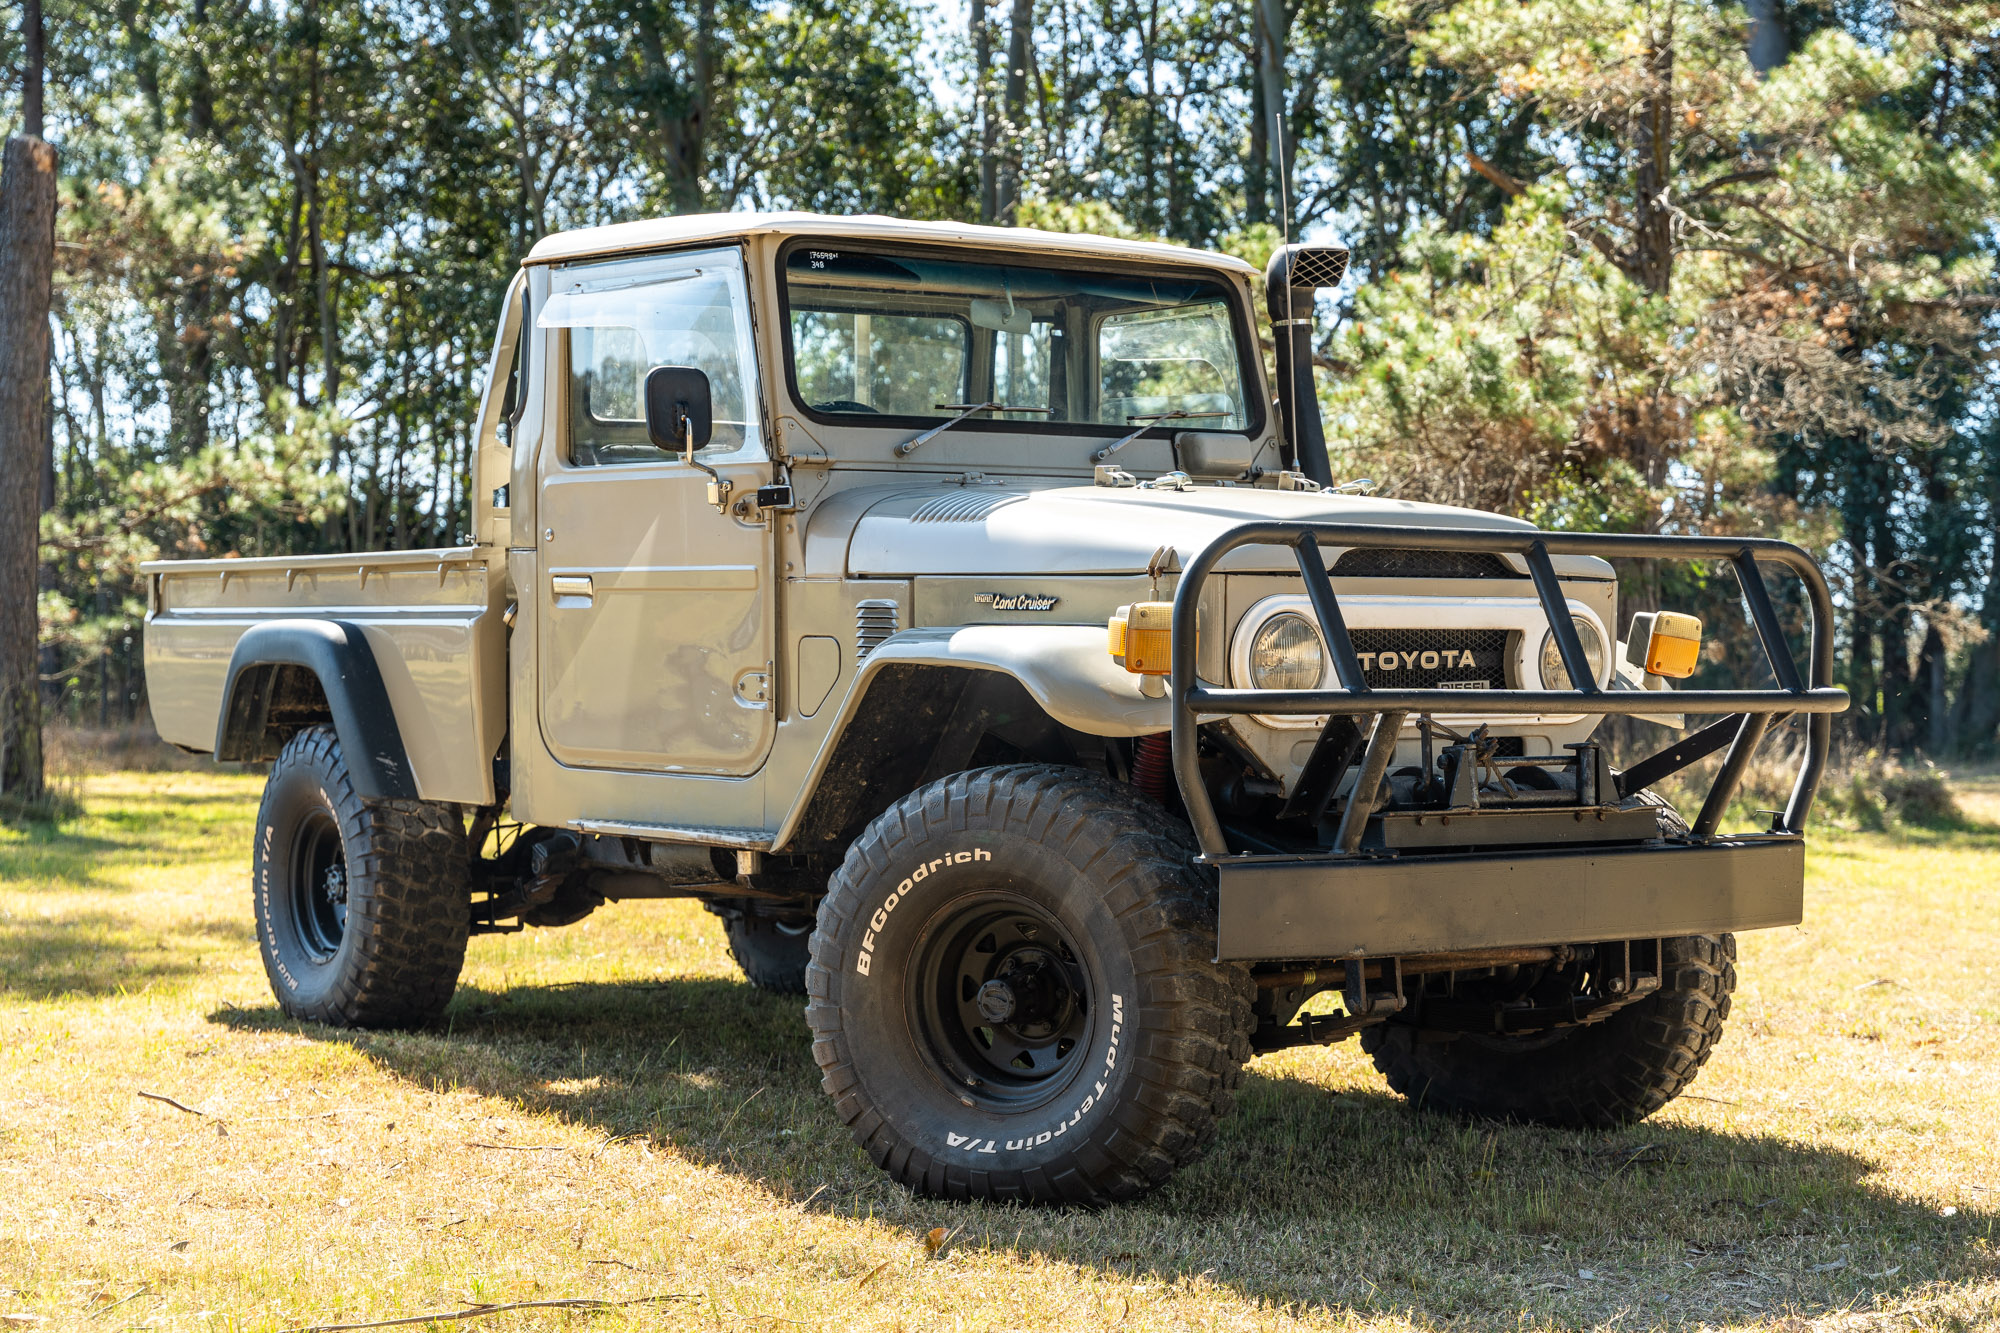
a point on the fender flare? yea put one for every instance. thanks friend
(337, 654)
(1064, 668)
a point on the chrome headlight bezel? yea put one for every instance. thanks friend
(1305, 640)
(1548, 659)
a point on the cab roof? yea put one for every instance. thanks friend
(629, 238)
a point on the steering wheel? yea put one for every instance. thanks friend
(844, 405)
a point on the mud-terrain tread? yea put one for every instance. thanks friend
(408, 898)
(1615, 1073)
(1140, 857)
(770, 959)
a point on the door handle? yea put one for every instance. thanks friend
(571, 585)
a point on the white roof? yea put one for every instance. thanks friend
(699, 228)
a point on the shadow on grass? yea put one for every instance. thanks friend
(1351, 1201)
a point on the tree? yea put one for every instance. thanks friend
(27, 265)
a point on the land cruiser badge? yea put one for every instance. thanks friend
(1016, 601)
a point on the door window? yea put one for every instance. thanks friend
(620, 320)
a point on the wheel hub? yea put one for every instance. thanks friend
(996, 1001)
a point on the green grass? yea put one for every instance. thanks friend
(611, 1112)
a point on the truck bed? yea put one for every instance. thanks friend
(434, 620)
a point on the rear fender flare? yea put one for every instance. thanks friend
(337, 655)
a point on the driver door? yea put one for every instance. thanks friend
(657, 609)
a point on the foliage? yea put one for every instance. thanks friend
(1610, 272)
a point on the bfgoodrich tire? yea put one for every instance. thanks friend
(1012, 992)
(772, 953)
(1610, 1073)
(362, 906)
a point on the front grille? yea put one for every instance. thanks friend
(1403, 562)
(1429, 659)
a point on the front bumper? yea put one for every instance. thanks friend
(1273, 908)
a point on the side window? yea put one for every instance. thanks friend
(621, 320)
(864, 361)
(1177, 360)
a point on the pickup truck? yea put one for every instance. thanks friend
(957, 613)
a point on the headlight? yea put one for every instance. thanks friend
(1286, 654)
(1553, 675)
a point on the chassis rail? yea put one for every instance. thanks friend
(1811, 693)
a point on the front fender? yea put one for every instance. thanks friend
(1064, 667)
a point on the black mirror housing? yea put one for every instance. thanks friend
(680, 412)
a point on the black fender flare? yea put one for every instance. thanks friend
(337, 654)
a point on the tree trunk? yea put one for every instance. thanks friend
(1976, 717)
(32, 61)
(1770, 43)
(1652, 255)
(1273, 29)
(982, 105)
(27, 263)
(1007, 186)
(681, 117)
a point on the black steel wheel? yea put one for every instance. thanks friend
(1002, 1000)
(363, 907)
(1013, 992)
(318, 882)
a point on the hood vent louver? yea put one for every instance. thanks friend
(875, 619)
(969, 507)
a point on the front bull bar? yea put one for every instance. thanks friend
(1814, 695)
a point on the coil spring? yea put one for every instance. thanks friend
(1153, 764)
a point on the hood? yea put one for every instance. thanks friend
(986, 529)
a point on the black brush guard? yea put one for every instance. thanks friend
(1349, 903)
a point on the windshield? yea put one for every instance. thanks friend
(879, 335)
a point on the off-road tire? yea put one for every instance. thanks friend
(773, 957)
(1130, 921)
(1607, 1074)
(392, 957)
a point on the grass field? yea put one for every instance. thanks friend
(612, 1113)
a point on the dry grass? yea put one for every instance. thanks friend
(612, 1113)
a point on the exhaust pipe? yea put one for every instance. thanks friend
(1295, 275)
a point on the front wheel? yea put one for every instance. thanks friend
(362, 907)
(1013, 994)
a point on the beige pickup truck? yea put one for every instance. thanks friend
(959, 615)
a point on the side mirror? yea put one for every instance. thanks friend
(680, 413)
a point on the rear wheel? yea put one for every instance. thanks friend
(1013, 994)
(772, 951)
(362, 906)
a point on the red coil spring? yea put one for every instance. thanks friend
(1153, 764)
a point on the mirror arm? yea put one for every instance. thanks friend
(719, 486)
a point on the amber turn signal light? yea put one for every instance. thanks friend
(1140, 637)
(1674, 647)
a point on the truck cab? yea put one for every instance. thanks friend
(961, 615)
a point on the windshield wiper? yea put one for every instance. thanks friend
(964, 410)
(1151, 421)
